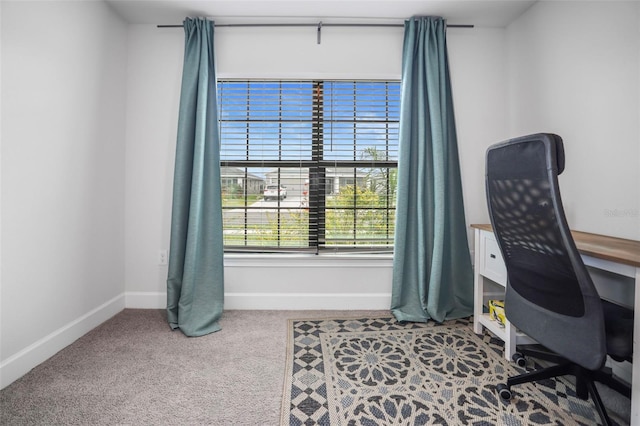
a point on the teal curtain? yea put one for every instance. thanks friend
(432, 275)
(195, 282)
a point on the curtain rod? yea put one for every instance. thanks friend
(315, 25)
(319, 26)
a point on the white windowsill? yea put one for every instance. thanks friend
(279, 260)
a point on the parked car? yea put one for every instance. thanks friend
(275, 191)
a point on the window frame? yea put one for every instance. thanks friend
(317, 167)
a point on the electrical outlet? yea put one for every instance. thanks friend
(163, 257)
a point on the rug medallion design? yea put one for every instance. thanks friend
(381, 372)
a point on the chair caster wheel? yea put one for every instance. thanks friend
(519, 359)
(504, 392)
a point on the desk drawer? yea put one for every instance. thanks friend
(491, 262)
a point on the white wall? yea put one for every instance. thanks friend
(63, 99)
(154, 65)
(478, 74)
(574, 70)
(1, 50)
(153, 87)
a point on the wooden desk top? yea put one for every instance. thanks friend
(599, 246)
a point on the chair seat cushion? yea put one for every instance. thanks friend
(618, 323)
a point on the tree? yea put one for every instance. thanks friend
(381, 180)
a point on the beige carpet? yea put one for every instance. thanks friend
(133, 370)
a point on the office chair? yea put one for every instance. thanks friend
(550, 295)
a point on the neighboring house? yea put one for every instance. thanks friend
(294, 179)
(343, 176)
(291, 178)
(233, 178)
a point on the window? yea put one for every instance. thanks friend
(308, 165)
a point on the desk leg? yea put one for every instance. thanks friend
(478, 286)
(635, 378)
(509, 341)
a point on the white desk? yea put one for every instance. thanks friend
(615, 255)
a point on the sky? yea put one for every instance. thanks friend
(276, 118)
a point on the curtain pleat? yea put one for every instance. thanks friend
(195, 282)
(432, 273)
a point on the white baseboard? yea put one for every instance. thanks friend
(622, 370)
(308, 301)
(22, 362)
(276, 301)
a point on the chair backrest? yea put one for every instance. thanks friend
(550, 295)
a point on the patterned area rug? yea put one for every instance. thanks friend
(381, 372)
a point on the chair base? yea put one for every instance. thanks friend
(585, 379)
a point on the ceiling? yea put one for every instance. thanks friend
(481, 13)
